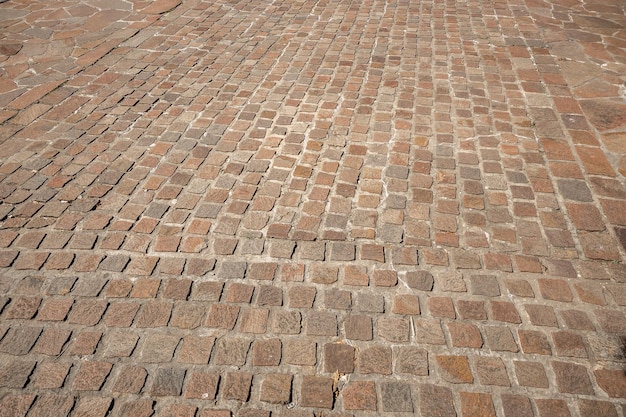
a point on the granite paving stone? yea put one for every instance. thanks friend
(252, 208)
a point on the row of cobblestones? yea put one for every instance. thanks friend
(302, 208)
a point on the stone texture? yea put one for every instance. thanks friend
(317, 392)
(455, 369)
(276, 389)
(436, 401)
(338, 358)
(237, 386)
(304, 208)
(396, 397)
(477, 404)
(201, 385)
(411, 360)
(360, 395)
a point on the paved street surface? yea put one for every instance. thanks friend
(215, 208)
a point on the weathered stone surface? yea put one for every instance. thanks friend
(605, 114)
(220, 208)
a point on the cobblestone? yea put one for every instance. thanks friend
(293, 208)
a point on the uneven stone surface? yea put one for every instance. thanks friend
(254, 208)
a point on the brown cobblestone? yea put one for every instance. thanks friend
(323, 275)
(167, 382)
(51, 341)
(591, 408)
(465, 335)
(455, 369)
(139, 408)
(196, 349)
(569, 344)
(576, 319)
(87, 263)
(20, 340)
(474, 310)
(504, 311)
(222, 316)
(270, 296)
(22, 308)
(358, 327)
(15, 374)
(420, 280)
(93, 406)
(321, 323)
(231, 351)
(153, 314)
(159, 348)
(55, 309)
(276, 389)
(247, 203)
(238, 293)
(572, 378)
(61, 405)
(411, 360)
(612, 382)
(555, 289)
(338, 358)
(145, 288)
(317, 392)
(385, 278)
(254, 320)
(286, 322)
(477, 404)
(441, 307)
(188, 315)
(262, 271)
(237, 386)
(531, 374)
(436, 400)
(491, 371)
(266, 352)
(406, 304)
(120, 314)
(30, 260)
(15, 405)
(300, 352)
(130, 380)
(541, 315)
(394, 329)
(199, 267)
(201, 385)
(429, 331)
(533, 341)
(516, 405)
(91, 376)
(360, 395)
(119, 345)
(85, 343)
(549, 407)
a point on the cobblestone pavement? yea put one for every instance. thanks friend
(312, 207)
